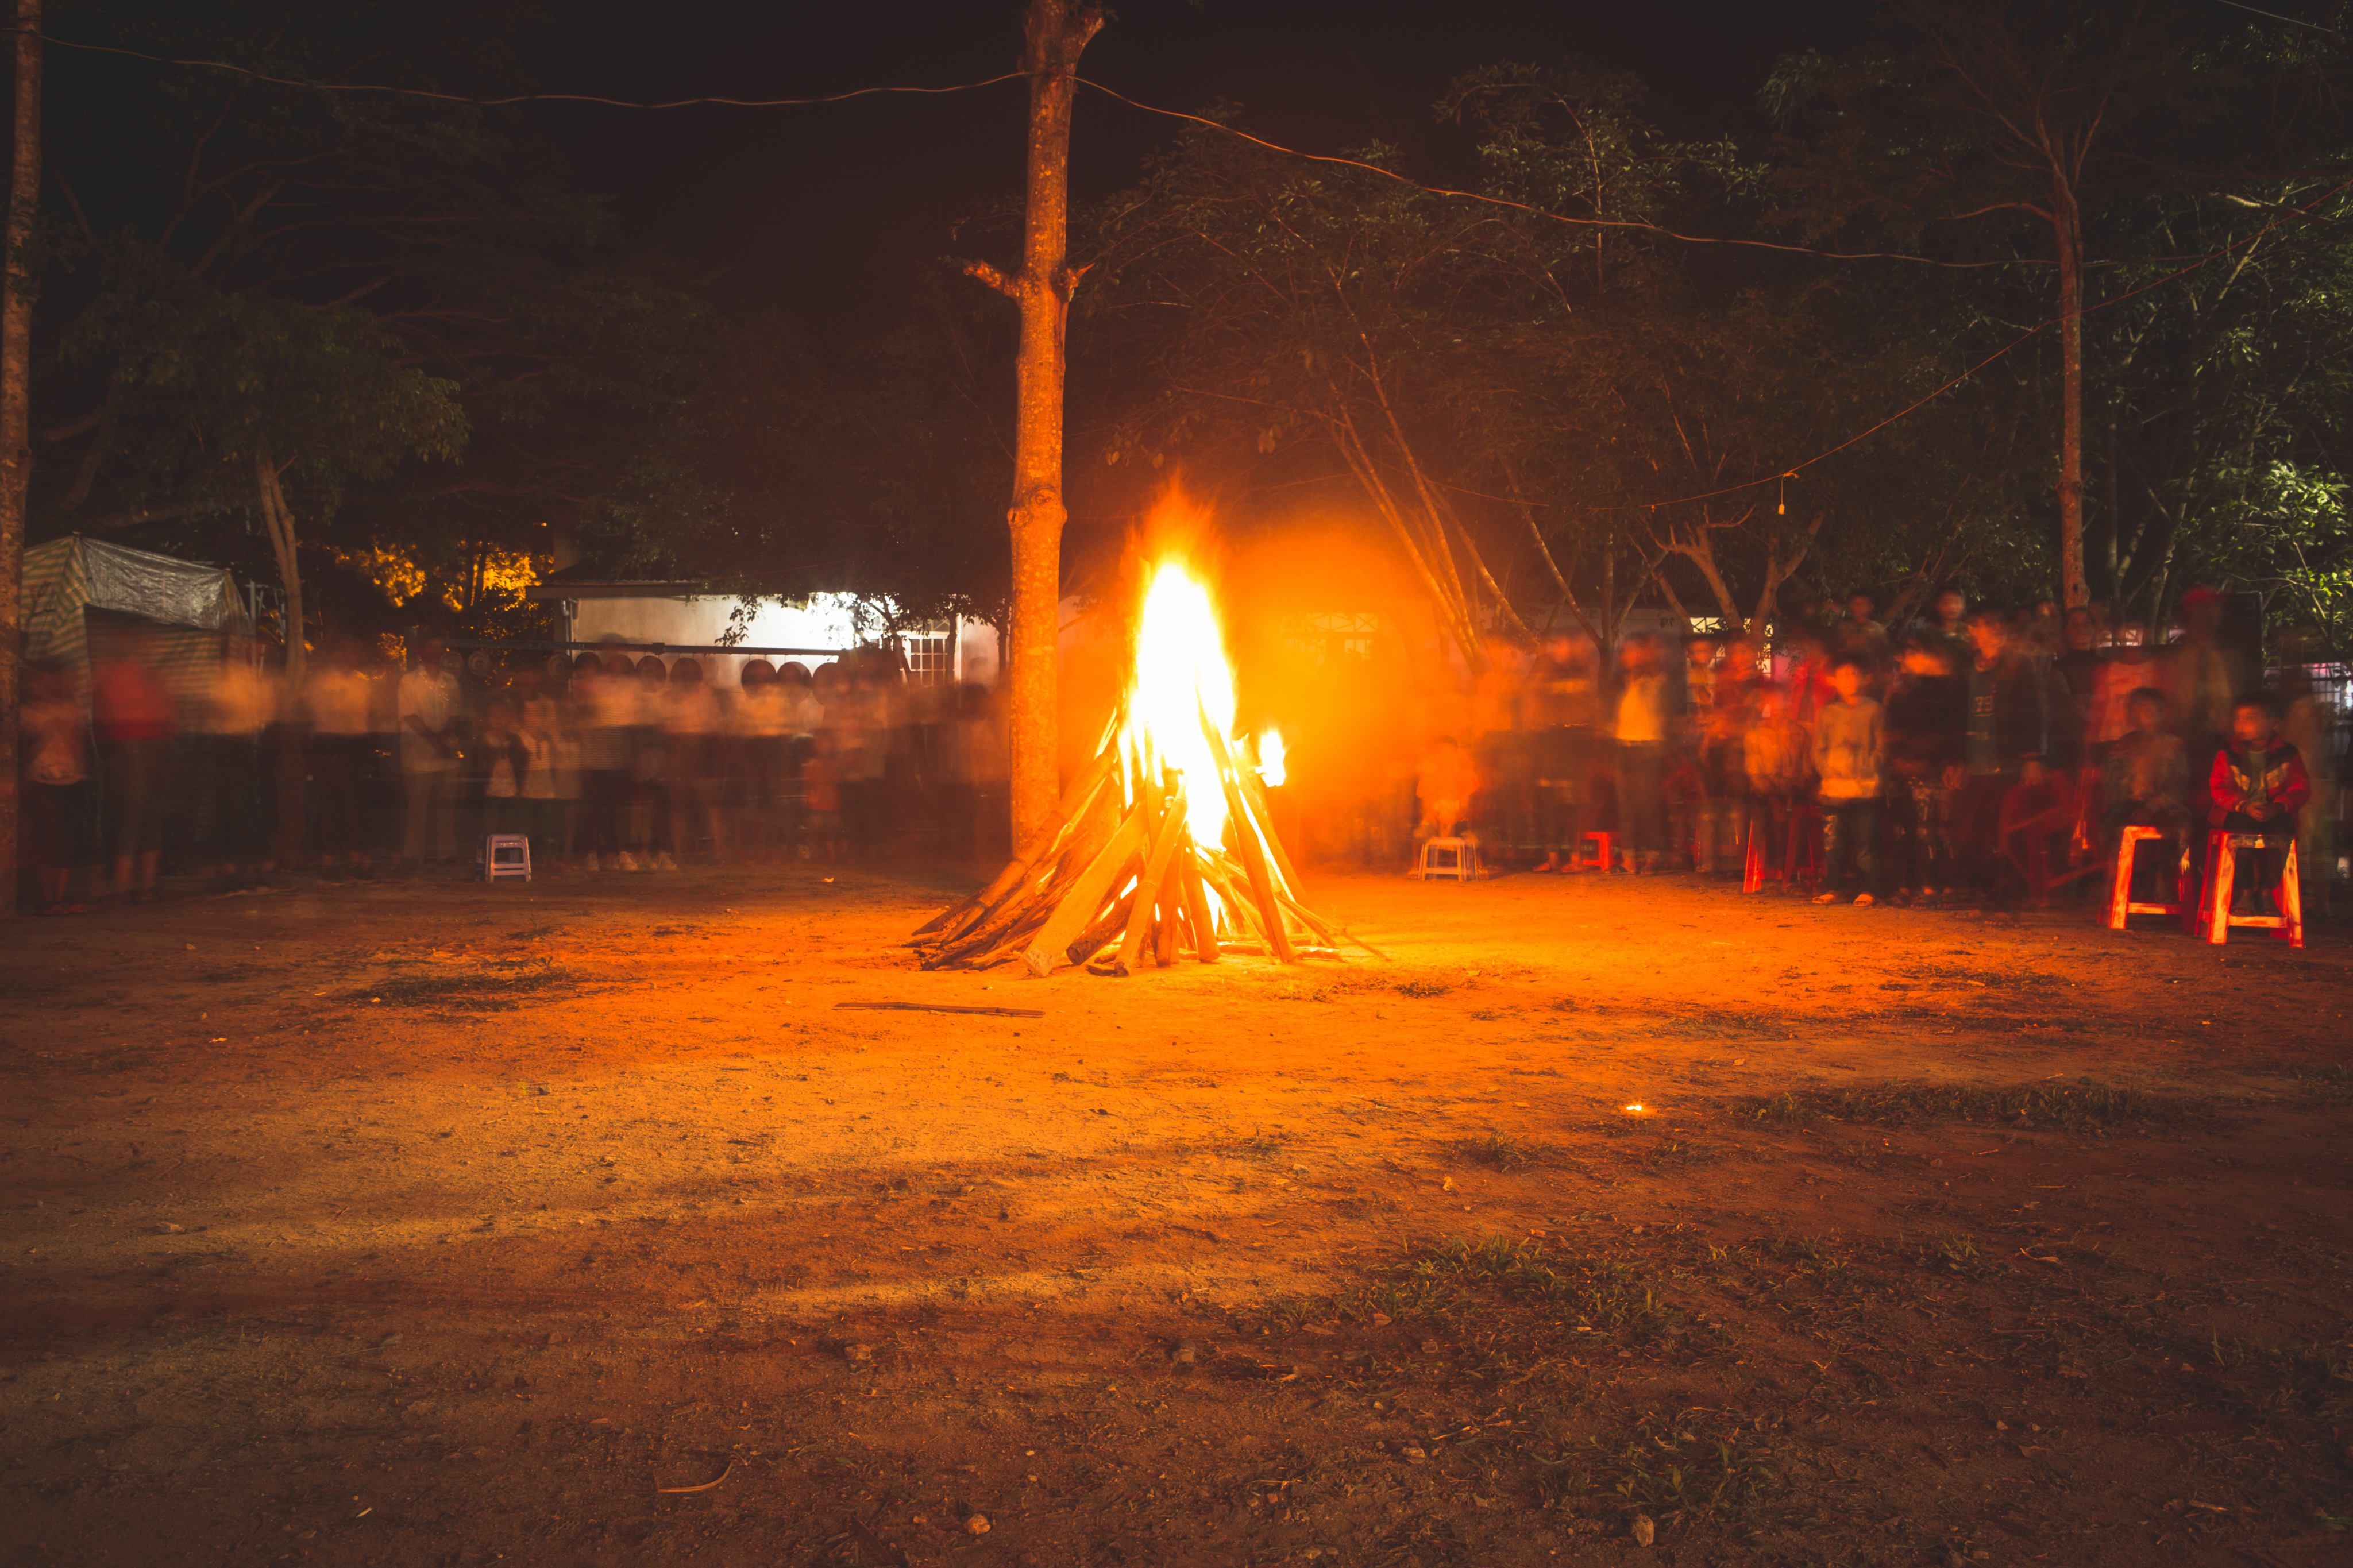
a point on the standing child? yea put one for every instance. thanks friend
(1927, 712)
(1850, 749)
(1773, 762)
(821, 800)
(57, 785)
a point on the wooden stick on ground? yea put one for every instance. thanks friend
(941, 1008)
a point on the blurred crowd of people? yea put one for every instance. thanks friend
(1981, 753)
(606, 760)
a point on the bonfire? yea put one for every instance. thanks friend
(1164, 848)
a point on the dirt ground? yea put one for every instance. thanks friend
(599, 1222)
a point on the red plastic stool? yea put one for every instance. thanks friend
(2221, 872)
(2121, 906)
(1596, 854)
(1754, 872)
(1805, 834)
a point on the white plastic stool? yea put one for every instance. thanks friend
(505, 855)
(1448, 859)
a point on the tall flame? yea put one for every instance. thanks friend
(1182, 681)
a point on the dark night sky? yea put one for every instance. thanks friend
(829, 210)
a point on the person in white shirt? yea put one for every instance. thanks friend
(427, 705)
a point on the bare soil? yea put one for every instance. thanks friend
(590, 1222)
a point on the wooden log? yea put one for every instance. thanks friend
(1164, 916)
(1016, 919)
(951, 922)
(1254, 789)
(1165, 839)
(1083, 899)
(1333, 936)
(1253, 857)
(1091, 941)
(1196, 907)
(1262, 882)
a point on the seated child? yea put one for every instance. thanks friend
(2144, 775)
(1445, 781)
(2258, 785)
(510, 762)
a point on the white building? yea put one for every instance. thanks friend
(687, 616)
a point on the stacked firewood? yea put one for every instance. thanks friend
(1120, 879)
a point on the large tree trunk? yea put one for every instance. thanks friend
(277, 523)
(2064, 220)
(1057, 32)
(17, 290)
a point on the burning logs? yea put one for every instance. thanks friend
(1165, 846)
(1122, 879)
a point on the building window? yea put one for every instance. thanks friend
(1331, 638)
(930, 659)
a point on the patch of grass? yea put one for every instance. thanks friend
(1988, 979)
(1494, 1151)
(1953, 1253)
(1726, 1024)
(1458, 1278)
(492, 988)
(2327, 1087)
(1417, 983)
(2301, 1379)
(1696, 1461)
(1811, 1258)
(1675, 1153)
(2079, 1108)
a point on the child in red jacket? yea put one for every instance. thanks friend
(2258, 785)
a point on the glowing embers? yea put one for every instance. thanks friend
(1166, 846)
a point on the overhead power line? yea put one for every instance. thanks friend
(2276, 16)
(1778, 476)
(479, 102)
(230, 68)
(1529, 207)
(2291, 215)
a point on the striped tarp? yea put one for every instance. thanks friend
(69, 577)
